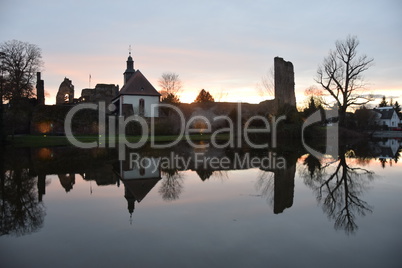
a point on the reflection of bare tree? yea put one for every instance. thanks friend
(221, 175)
(172, 185)
(265, 185)
(338, 186)
(21, 211)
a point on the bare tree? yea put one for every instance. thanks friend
(221, 95)
(170, 84)
(266, 87)
(20, 63)
(341, 75)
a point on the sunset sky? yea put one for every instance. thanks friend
(224, 47)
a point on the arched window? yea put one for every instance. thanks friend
(66, 98)
(141, 106)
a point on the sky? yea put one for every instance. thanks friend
(224, 47)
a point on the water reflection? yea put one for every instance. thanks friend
(138, 180)
(277, 185)
(22, 211)
(338, 185)
(172, 185)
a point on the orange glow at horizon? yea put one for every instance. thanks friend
(223, 81)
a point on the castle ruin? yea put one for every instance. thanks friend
(101, 92)
(65, 94)
(40, 89)
(284, 83)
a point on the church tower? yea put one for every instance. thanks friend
(130, 68)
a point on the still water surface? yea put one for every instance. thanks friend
(99, 215)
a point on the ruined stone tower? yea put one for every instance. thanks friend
(40, 89)
(284, 83)
(66, 92)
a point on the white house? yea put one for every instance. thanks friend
(137, 96)
(387, 116)
(388, 148)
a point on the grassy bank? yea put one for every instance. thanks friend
(49, 141)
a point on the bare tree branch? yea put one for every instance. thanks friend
(341, 74)
(170, 83)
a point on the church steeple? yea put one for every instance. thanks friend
(130, 67)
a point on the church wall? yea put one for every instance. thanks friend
(148, 101)
(151, 170)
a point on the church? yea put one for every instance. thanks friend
(137, 96)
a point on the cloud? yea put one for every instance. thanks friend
(379, 96)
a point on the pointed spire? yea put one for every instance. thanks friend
(130, 67)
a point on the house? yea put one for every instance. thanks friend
(137, 96)
(387, 116)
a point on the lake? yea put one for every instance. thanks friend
(68, 207)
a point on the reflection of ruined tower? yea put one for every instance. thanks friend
(284, 184)
(284, 188)
(40, 89)
(66, 92)
(284, 83)
(41, 186)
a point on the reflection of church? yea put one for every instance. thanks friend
(138, 180)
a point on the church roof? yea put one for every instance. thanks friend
(138, 85)
(139, 188)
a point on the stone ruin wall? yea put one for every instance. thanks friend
(101, 92)
(65, 93)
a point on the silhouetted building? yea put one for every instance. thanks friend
(40, 89)
(101, 92)
(65, 95)
(387, 116)
(284, 83)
